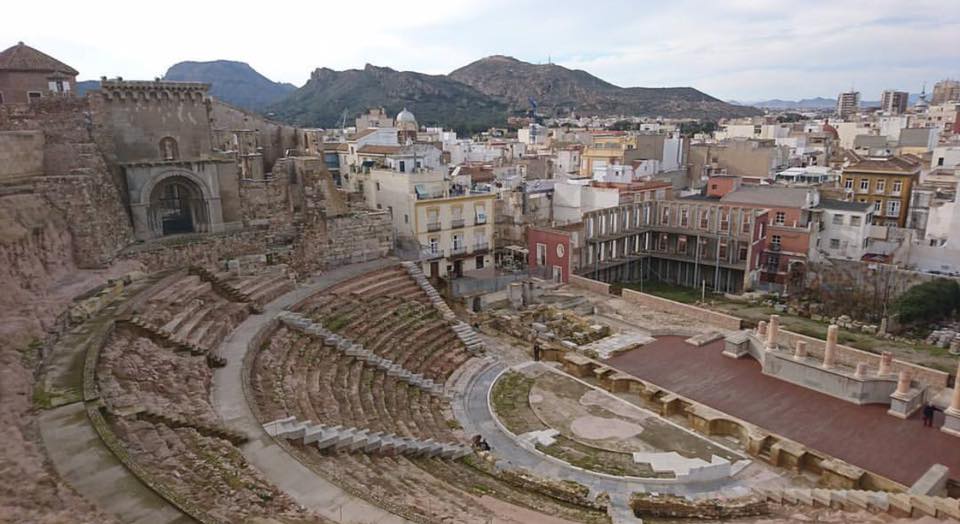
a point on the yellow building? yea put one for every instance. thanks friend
(606, 149)
(449, 221)
(885, 182)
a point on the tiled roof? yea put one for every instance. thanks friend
(360, 134)
(906, 164)
(776, 196)
(843, 205)
(22, 57)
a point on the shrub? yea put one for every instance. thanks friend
(929, 301)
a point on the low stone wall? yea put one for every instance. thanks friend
(850, 356)
(590, 285)
(712, 317)
(769, 447)
(672, 506)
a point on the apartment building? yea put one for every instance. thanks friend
(689, 242)
(885, 182)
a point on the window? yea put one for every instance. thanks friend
(864, 185)
(663, 242)
(1, 97)
(34, 95)
(684, 215)
(881, 185)
(876, 205)
(780, 218)
(773, 263)
(939, 160)
(893, 208)
(665, 216)
(682, 244)
(848, 184)
(724, 220)
(834, 243)
(480, 261)
(838, 220)
(897, 186)
(378, 186)
(434, 246)
(746, 221)
(541, 254)
(704, 218)
(854, 220)
(169, 149)
(742, 254)
(775, 240)
(722, 250)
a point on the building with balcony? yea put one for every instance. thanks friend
(446, 217)
(885, 182)
(690, 242)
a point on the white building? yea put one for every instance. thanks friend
(845, 228)
(574, 198)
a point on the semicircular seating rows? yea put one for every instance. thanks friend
(300, 382)
(154, 392)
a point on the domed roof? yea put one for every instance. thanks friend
(406, 117)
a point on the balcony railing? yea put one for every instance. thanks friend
(456, 223)
(481, 246)
(429, 254)
(433, 226)
(481, 219)
(458, 250)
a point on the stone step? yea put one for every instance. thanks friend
(357, 440)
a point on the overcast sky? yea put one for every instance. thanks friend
(731, 49)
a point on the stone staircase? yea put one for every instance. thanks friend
(361, 440)
(157, 334)
(897, 504)
(175, 421)
(464, 332)
(357, 351)
(224, 289)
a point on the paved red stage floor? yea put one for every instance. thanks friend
(865, 436)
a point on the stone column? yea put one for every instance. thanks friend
(761, 329)
(773, 330)
(801, 351)
(955, 400)
(861, 370)
(886, 363)
(829, 352)
(903, 383)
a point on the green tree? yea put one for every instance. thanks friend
(929, 301)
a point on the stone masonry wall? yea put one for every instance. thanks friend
(75, 180)
(21, 154)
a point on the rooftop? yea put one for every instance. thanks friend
(776, 196)
(22, 57)
(843, 205)
(882, 164)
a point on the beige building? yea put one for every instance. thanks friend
(450, 221)
(885, 182)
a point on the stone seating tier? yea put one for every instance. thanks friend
(319, 382)
(897, 504)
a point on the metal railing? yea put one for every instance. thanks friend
(433, 226)
(481, 246)
(456, 223)
(458, 250)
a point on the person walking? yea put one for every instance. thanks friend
(928, 411)
(536, 351)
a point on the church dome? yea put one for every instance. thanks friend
(405, 117)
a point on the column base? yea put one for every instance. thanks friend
(951, 423)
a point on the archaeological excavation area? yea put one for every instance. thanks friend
(360, 395)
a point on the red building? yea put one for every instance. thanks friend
(550, 249)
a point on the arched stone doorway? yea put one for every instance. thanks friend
(177, 206)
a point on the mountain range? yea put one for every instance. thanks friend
(815, 103)
(474, 97)
(233, 82)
